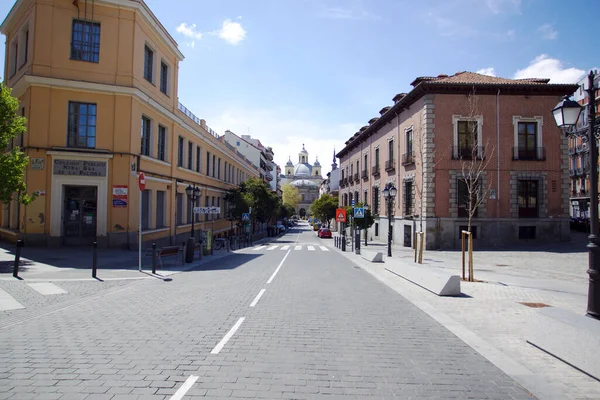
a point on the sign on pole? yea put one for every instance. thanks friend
(142, 181)
(359, 212)
(340, 215)
(207, 210)
(246, 217)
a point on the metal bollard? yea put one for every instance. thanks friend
(17, 258)
(154, 258)
(344, 243)
(95, 260)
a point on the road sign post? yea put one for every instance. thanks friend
(142, 186)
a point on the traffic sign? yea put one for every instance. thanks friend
(359, 212)
(340, 215)
(352, 202)
(246, 217)
(142, 181)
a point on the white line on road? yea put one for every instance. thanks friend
(272, 248)
(311, 248)
(278, 268)
(324, 248)
(299, 247)
(46, 288)
(287, 246)
(257, 298)
(259, 248)
(7, 302)
(185, 387)
(228, 336)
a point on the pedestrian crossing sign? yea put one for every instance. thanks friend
(340, 215)
(359, 212)
(246, 217)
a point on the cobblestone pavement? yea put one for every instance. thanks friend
(492, 310)
(321, 329)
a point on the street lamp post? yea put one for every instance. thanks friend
(389, 193)
(566, 114)
(193, 194)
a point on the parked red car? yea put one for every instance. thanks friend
(324, 233)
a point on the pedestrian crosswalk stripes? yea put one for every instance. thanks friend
(296, 247)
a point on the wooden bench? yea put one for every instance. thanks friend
(169, 251)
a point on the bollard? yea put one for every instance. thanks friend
(95, 260)
(154, 258)
(17, 258)
(344, 243)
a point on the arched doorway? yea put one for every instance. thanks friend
(302, 213)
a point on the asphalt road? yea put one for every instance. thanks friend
(292, 319)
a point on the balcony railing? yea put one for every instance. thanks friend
(356, 177)
(345, 181)
(408, 158)
(341, 183)
(365, 174)
(533, 154)
(197, 120)
(467, 153)
(375, 170)
(580, 193)
(390, 165)
(350, 178)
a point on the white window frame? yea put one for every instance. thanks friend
(154, 56)
(455, 120)
(540, 123)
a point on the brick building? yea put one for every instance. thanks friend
(505, 123)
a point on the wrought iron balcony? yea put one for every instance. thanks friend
(356, 179)
(365, 174)
(529, 154)
(468, 153)
(375, 170)
(390, 165)
(408, 158)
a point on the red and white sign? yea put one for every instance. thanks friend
(119, 196)
(340, 215)
(142, 181)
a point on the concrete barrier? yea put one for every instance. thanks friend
(434, 280)
(372, 256)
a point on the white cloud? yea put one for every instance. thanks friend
(448, 27)
(357, 12)
(545, 67)
(487, 71)
(232, 32)
(499, 6)
(548, 32)
(287, 134)
(189, 31)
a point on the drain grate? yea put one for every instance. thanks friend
(535, 305)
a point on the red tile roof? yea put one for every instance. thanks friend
(475, 78)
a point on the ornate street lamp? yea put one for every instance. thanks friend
(193, 194)
(389, 193)
(566, 114)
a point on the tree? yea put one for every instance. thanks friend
(362, 223)
(13, 162)
(264, 203)
(291, 195)
(236, 204)
(324, 207)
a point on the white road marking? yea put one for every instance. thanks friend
(299, 247)
(257, 298)
(278, 268)
(272, 248)
(46, 288)
(287, 246)
(324, 248)
(259, 248)
(228, 336)
(189, 382)
(311, 248)
(7, 302)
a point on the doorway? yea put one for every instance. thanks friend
(79, 215)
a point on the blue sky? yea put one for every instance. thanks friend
(314, 71)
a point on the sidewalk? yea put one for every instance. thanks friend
(490, 315)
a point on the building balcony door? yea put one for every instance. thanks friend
(79, 215)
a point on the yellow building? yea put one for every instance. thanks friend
(98, 85)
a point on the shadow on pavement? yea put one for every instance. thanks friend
(232, 262)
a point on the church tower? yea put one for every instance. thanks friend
(334, 165)
(317, 168)
(289, 167)
(303, 156)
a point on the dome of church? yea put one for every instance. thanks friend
(303, 150)
(289, 163)
(304, 183)
(302, 170)
(317, 163)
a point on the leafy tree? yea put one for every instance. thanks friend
(263, 201)
(324, 207)
(236, 204)
(362, 223)
(13, 162)
(291, 195)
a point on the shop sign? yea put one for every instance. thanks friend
(37, 163)
(119, 195)
(79, 167)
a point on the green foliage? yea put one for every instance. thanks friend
(255, 194)
(324, 207)
(362, 223)
(14, 162)
(291, 195)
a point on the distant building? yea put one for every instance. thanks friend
(331, 184)
(253, 149)
(306, 178)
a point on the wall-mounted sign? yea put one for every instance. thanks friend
(119, 195)
(79, 167)
(37, 163)
(207, 210)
